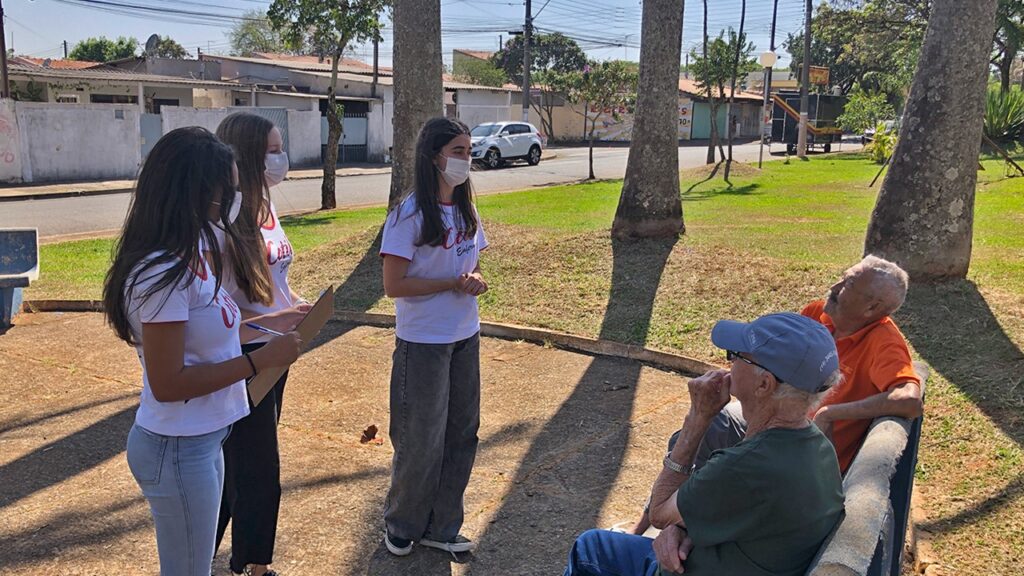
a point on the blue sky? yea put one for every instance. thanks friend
(605, 28)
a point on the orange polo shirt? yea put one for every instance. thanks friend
(873, 360)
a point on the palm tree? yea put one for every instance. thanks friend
(924, 215)
(650, 205)
(419, 93)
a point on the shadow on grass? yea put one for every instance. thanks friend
(363, 287)
(953, 329)
(746, 190)
(582, 447)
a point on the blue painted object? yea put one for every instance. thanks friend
(19, 267)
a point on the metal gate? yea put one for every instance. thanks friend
(352, 147)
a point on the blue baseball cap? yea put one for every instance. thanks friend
(796, 349)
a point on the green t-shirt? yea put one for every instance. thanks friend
(764, 506)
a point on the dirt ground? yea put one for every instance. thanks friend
(568, 442)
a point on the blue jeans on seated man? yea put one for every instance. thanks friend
(607, 553)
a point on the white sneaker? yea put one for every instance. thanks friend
(397, 546)
(460, 544)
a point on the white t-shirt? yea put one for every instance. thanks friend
(443, 317)
(279, 254)
(211, 335)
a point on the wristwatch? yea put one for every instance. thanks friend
(676, 467)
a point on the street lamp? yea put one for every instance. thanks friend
(767, 61)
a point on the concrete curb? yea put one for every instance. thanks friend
(76, 193)
(674, 362)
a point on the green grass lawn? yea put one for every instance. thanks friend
(772, 241)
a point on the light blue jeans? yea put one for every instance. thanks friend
(182, 478)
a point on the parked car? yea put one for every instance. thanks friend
(869, 134)
(496, 143)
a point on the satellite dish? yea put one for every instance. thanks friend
(152, 43)
(46, 63)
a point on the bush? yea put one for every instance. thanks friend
(864, 110)
(1004, 114)
(884, 144)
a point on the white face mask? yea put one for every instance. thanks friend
(277, 168)
(456, 171)
(234, 209)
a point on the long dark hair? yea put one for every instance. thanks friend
(187, 170)
(247, 133)
(435, 135)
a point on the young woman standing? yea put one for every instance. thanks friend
(431, 249)
(257, 279)
(164, 296)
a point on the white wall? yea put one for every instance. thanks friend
(478, 106)
(83, 142)
(378, 125)
(10, 144)
(208, 118)
(303, 138)
(289, 102)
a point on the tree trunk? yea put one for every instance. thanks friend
(1004, 70)
(650, 205)
(924, 215)
(732, 87)
(712, 139)
(328, 195)
(419, 94)
(590, 137)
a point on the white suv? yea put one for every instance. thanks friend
(495, 143)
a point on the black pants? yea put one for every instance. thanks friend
(435, 415)
(252, 481)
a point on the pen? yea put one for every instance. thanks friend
(259, 328)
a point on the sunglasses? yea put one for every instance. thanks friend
(731, 355)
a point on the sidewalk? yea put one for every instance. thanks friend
(96, 188)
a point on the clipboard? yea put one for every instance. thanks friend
(310, 326)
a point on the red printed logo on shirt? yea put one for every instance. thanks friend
(270, 224)
(453, 238)
(201, 272)
(229, 311)
(275, 252)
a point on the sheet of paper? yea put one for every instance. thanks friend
(310, 326)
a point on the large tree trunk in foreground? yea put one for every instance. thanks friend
(650, 205)
(924, 215)
(419, 93)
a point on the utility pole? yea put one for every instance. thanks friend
(376, 66)
(527, 35)
(5, 89)
(65, 49)
(805, 81)
(768, 105)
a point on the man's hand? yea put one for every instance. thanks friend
(709, 393)
(823, 420)
(672, 547)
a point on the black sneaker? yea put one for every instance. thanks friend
(397, 546)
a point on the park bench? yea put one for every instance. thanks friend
(870, 538)
(19, 266)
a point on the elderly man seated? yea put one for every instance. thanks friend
(763, 506)
(878, 375)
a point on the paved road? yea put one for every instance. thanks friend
(98, 214)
